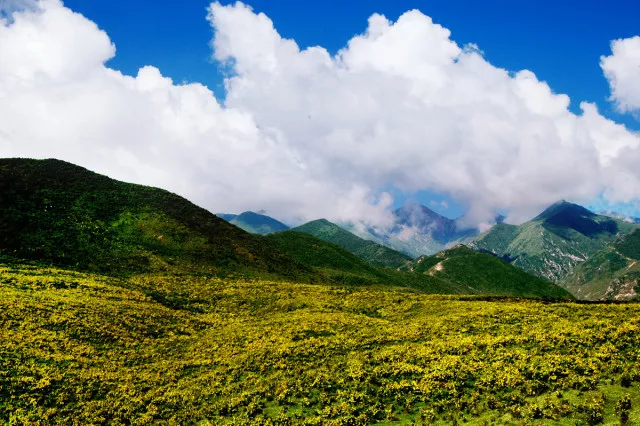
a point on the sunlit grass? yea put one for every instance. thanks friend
(81, 348)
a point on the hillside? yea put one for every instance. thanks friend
(553, 243)
(254, 223)
(417, 230)
(611, 274)
(344, 267)
(485, 274)
(369, 251)
(59, 213)
(467, 272)
(80, 348)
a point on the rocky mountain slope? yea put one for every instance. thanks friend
(613, 273)
(552, 244)
(417, 230)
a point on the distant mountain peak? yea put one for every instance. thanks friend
(368, 250)
(418, 214)
(565, 208)
(554, 242)
(254, 223)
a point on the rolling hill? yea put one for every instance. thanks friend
(485, 274)
(369, 251)
(254, 223)
(62, 214)
(344, 267)
(57, 213)
(466, 271)
(613, 273)
(552, 244)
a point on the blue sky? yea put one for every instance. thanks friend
(561, 42)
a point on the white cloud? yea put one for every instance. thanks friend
(58, 99)
(403, 104)
(302, 133)
(622, 69)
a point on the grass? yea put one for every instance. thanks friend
(485, 274)
(54, 212)
(368, 251)
(82, 348)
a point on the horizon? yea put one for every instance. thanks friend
(263, 120)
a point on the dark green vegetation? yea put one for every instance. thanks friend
(157, 349)
(485, 274)
(58, 213)
(612, 273)
(552, 244)
(343, 267)
(254, 223)
(369, 251)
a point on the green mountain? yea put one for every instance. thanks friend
(369, 251)
(613, 273)
(553, 243)
(227, 216)
(466, 272)
(344, 267)
(485, 274)
(254, 223)
(59, 213)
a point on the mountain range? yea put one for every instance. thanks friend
(566, 243)
(417, 230)
(59, 214)
(553, 243)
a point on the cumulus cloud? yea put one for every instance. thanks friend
(304, 134)
(404, 104)
(622, 69)
(58, 99)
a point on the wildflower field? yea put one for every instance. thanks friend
(194, 349)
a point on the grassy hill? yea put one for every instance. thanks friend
(59, 213)
(553, 243)
(81, 348)
(612, 273)
(369, 251)
(255, 223)
(466, 272)
(344, 267)
(485, 274)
